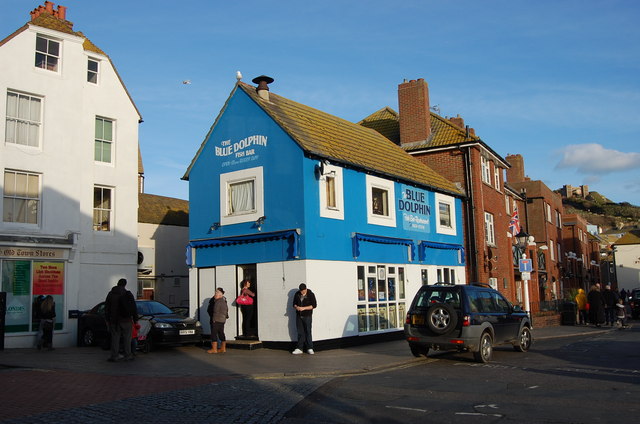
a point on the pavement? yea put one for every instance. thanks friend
(76, 385)
(263, 363)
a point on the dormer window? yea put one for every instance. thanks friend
(47, 53)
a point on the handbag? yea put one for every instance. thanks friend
(244, 300)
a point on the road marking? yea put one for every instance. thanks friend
(479, 414)
(533, 387)
(406, 409)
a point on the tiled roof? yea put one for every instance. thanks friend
(632, 237)
(341, 141)
(153, 209)
(443, 132)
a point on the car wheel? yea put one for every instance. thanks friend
(418, 350)
(88, 338)
(524, 340)
(485, 348)
(441, 318)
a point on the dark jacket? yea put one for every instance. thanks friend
(308, 300)
(48, 308)
(610, 298)
(596, 306)
(218, 310)
(120, 305)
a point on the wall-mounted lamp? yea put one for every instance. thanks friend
(214, 226)
(321, 169)
(260, 221)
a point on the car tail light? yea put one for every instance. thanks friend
(466, 321)
(408, 320)
(413, 339)
(456, 341)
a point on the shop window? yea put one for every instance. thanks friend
(47, 53)
(23, 120)
(21, 197)
(331, 192)
(380, 201)
(102, 208)
(446, 275)
(92, 70)
(381, 298)
(103, 142)
(445, 214)
(241, 196)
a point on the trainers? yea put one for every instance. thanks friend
(310, 352)
(296, 352)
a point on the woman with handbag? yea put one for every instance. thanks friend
(247, 307)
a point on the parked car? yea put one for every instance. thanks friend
(471, 317)
(166, 327)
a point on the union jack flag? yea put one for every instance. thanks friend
(514, 223)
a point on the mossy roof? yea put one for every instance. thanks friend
(154, 209)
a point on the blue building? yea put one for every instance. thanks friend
(281, 193)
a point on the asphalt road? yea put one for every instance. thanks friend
(593, 379)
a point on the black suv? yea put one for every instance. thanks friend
(471, 317)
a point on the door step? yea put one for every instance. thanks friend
(245, 344)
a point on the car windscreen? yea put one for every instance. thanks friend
(429, 297)
(152, 308)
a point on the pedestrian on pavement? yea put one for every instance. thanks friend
(47, 320)
(304, 302)
(218, 312)
(610, 301)
(247, 309)
(121, 314)
(581, 301)
(596, 306)
(623, 313)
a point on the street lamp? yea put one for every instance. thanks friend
(522, 239)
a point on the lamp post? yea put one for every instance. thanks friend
(522, 240)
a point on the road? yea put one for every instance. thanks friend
(576, 380)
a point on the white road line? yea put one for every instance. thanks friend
(406, 409)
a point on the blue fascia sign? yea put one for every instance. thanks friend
(415, 209)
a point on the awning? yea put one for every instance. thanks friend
(423, 245)
(358, 237)
(294, 235)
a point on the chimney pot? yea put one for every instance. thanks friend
(62, 12)
(263, 82)
(49, 6)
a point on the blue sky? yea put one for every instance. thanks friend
(556, 81)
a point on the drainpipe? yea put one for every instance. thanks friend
(471, 222)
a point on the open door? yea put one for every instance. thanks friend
(248, 319)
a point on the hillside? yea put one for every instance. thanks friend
(599, 210)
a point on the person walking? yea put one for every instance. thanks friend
(596, 306)
(247, 309)
(47, 319)
(610, 301)
(304, 302)
(581, 301)
(218, 312)
(121, 315)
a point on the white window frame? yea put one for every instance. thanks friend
(47, 55)
(111, 143)
(496, 176)
(552, 254)
(27, 198)
(558, 219)
(388, 220)
(111, 209)
(15, 120)
(507, 204)
(486, 170)
(91, 72)
(254, 174)
(547, 212)
(337, 211)
(450, 201)
(489, 229)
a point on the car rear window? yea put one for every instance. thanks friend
(432, 296)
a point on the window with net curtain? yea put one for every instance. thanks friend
(21, 198)
(23, 119)
(242, 197)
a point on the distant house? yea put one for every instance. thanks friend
(281, 193)
(627, 260)
(69, 163)
(163, 233)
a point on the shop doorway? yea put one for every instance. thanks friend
(248, 314)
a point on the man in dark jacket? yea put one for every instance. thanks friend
(610, 300)
(120, 313)
(304, 302)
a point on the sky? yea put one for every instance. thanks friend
(555, 81)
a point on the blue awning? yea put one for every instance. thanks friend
(358, 237)
(294, 235)
(423, 245)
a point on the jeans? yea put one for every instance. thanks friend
(303, 325)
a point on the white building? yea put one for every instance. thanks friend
(627, 260)
(69, 158)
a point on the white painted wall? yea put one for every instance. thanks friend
(628, 266)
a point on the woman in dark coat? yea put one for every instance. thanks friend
(596, 306)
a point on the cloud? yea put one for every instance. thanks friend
(593, 158)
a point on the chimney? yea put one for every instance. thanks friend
(61, 13)
(263, 82)
(457, 121)
(415, 117)
(49, 7)
(515, 174)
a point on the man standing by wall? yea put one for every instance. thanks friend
(120, 313)
(304, 302)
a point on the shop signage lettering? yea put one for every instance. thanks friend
(23, 252)
(48, 278)
(242, 148)
(415, 208)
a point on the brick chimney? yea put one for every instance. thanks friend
(457, 121)
(60, 13)
(415, 117)
(515, 174)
